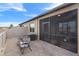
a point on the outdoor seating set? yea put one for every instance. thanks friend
(24, 42)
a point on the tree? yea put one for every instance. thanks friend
(11, 26)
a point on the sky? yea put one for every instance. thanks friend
(16, 13)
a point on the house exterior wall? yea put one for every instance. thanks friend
(75, 6)
(36, 26)
(78, 30)
(28, 25)
(69, 8)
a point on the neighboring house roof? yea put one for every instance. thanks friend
(49, 11)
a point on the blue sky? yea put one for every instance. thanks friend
(15, 13)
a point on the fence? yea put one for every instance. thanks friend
(11, 33)
(2, 42)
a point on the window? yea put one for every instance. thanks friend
(60, 27)
(67, 26)
(45, 27)
(32, 27)
(63, 27)
(72, 26)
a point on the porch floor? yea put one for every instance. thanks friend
(39, 48)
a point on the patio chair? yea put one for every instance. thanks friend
(24, 42)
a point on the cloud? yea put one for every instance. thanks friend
(7, 24)
(30, 15)
(51, 6)
(12, 6)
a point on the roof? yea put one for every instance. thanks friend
(48, 12)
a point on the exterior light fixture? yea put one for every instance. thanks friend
(59, 15)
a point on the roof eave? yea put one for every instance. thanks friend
(49, 11)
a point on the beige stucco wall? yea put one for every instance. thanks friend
(27, 25)
(78, 31)
(75, 6)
